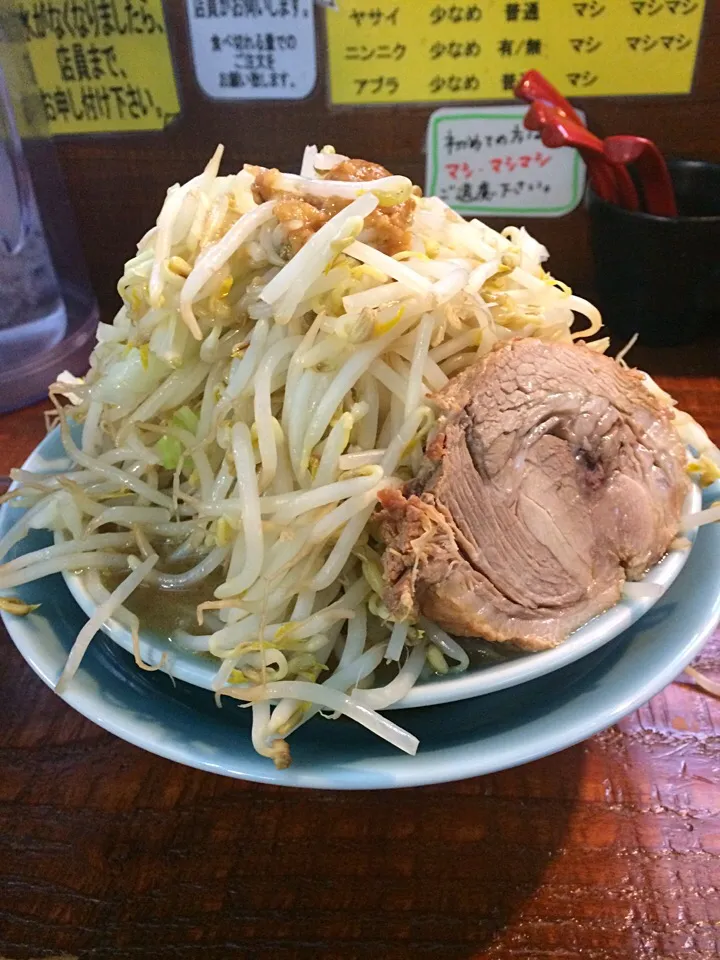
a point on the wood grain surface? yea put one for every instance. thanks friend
(607, 851)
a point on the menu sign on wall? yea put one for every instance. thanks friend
(253, 49)
(102, 66)
(401, 51)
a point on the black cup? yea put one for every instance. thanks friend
(660, 276)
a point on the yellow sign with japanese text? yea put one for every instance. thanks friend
(102, 66)
(400, 51)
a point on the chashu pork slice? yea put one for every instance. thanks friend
(553, 476)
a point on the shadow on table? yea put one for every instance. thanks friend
(502, 835)
(448, 872)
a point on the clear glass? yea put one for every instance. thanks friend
(32, 311)
(48, 312)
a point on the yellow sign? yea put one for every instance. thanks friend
(102, 66)
(395, 51)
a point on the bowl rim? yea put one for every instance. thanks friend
(644, 664)
(199, 671)
(597, 632)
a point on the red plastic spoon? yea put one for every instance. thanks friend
(612, 184)
(534, 86)
(601, 174)
(557, 130)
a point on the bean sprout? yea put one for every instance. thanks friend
(261, 384)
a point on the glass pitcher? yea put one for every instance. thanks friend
(48, 313)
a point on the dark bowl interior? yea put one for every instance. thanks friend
(655, 276)
(697, 187)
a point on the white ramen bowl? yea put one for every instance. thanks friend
(493, 667)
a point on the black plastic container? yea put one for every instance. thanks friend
(660, 276)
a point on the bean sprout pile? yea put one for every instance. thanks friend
(243, 411)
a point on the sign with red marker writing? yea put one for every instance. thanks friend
(484, 162)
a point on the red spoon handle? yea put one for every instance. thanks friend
(602, 178)
(657, 186)
(534, 86)
(626, 189)
(558, 130)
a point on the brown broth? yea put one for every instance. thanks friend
(162, 612)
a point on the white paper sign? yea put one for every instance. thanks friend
(483, 161)
(253, 49)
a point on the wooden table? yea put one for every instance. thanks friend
(607, 851)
